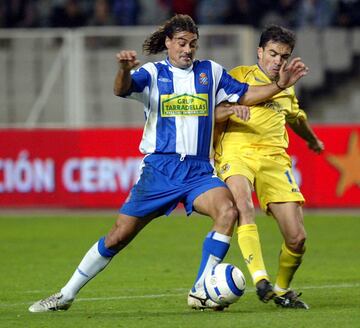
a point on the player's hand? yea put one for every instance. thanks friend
(291, 72)
(224, 110)
(316, 145)
(127, 59)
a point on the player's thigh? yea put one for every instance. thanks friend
(218, 203)
(275, 182)
(214, 201)
(241, 188)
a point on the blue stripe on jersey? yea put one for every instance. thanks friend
(165, 126)
(231, 86)
(204, 84)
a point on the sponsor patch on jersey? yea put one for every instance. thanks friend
(184, 105)
(203, 79)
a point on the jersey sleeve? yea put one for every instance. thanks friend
(140, 84)
(228, 89)
(296, 112)
(237, 74)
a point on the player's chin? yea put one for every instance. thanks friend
(186, 62)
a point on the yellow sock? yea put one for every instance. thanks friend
(288, 264)
(249, 243)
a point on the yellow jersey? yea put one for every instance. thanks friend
(266, 129)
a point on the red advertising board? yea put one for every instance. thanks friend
(331, 179)
(95, 168)
(92, 168)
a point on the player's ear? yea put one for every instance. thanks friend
(260, 51)
(167, 42)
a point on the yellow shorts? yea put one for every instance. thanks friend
(271, 175)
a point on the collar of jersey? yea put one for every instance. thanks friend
(178, 71)
(263, 73)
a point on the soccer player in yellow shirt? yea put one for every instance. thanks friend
(252, 156)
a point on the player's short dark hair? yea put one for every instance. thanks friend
(279, 34)
(155, 43)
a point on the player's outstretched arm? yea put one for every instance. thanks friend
(289, 74)
(127, 61)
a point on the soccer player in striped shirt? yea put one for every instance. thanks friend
(179, 95)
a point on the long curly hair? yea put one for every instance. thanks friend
(155, 43)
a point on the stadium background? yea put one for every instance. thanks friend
(67, 142)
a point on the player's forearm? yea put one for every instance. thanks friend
(302, 128)
(258, 94)
(122, 83)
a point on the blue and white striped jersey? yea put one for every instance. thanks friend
(179, 105)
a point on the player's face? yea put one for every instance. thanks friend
(272, 56)
(181, 49)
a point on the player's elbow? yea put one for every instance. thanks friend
(121, 87)
(119, 92)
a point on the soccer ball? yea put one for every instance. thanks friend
(225, 284)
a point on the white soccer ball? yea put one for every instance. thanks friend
(225, 284)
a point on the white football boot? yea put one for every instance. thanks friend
(54, 302)
(200, 301)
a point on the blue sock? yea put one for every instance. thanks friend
(103, 250)
(215, 247)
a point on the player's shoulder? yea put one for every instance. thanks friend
(156, 64)
(242, 71)
(210, 66)
(207, 62)
(153, 67)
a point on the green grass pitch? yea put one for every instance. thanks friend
(146, 285)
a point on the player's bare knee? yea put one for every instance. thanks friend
(229, 215)
(246, 212)
(227, 218)
(297, 244)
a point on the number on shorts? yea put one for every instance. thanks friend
(287, 173)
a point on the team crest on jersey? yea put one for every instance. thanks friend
(184, 105)
(273, 105)
(203, 79)
(225, 168)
